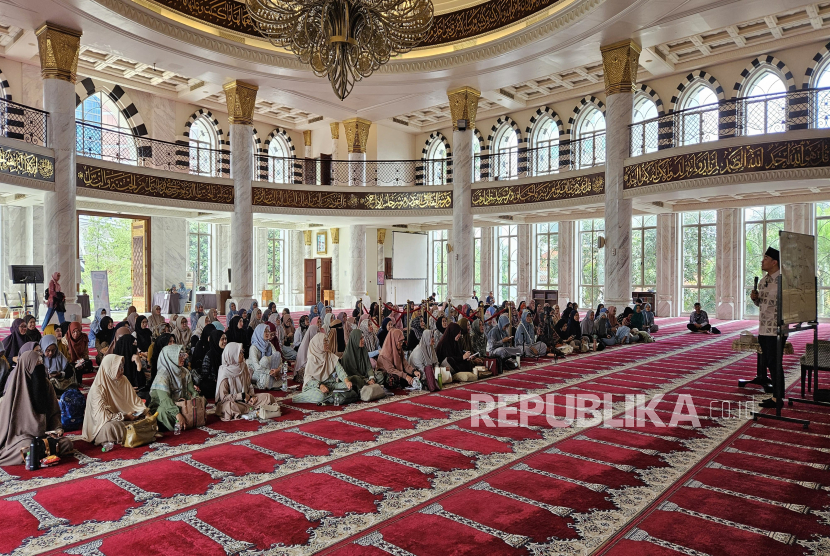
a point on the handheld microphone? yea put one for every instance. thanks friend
(756, 283)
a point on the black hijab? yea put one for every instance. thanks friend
(144, 336)
(106, 333)
(125, 347)
(160, 343)
(235, 334)
(202, 347)
(448, 347)
(15, 340)
(65, 328)
(383, 331)
(33, 335)
(39, 389)
(214, 352)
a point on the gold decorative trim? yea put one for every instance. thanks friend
(306, 236)
(381, 235)
(335, 200)
(59, 48)
(335, 130)
(357, 134)
(335, 235)
(307, 137)
(464, 106)
(21, 163)
(118, 181)
(620, 62)
(240, 98)
(565, 188)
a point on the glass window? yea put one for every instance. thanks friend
(821, 80)
(198, 253)
(699, 121)
(276, 257)
(107, 134)
(590, 133)
(507, 241)
(505, 153)
(547, 256)
(435, 170)
(477, 262)
(591, 262)
(476, 158)
(765, 110)
(644, 109)
(699, 254)
(203, 143)
(544, 156)
(761, 227)
(644, 253)
(280, 162)
(823, 253)
(438, 238)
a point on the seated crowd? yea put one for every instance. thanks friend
(148, 365)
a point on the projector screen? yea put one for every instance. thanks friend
(409, 256)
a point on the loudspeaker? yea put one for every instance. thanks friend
(229, 275)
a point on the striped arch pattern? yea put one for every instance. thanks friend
(420, 169)
(798, 106)
(297, 168)
(15, 116)
(664, 127)
(529, 131)
(727, 115)
(522, 148)
(565, 150)
(811, 70)
(5, 84)
(88, 87)
(484, 164)
(183, 156)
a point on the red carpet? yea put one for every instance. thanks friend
(412, 475)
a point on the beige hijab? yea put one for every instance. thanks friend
(155, 320)
(200, 325)
(108, 396)
(238, 376)
(181, 333)
(321, 363)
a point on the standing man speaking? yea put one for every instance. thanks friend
(766, 299)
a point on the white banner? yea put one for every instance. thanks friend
(100, 290)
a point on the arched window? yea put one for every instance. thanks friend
(821, 80)
(544, 158)
(765, 110)
(435, 163)
(203, 145)
(505, 148)
(103, 131)
(644, 109)
(279, 160)
(698, 120)
(589, 150)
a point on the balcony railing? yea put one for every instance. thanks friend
(118, 146)
(576, 154)
(757, 115)
(316, 171)
(23, 123)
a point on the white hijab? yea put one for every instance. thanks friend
(231, 369)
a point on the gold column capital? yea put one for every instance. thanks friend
(381, 235)
(335, 235)
(241, 98)
(463, 106)
(59, 48)
(357, 134)
(335, 130)
(307, 137)
(620, 62)
(307, 236)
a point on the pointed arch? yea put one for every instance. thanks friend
(543, 161)
(183, 156)
(690, 80)
(296, 167)
(87, 87)
(420, 169)
(816, 63)
(583, 102)
(774, 64)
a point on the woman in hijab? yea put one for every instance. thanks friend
(232, 311)
(236, 332)
(392, 361)
(416, 330)
(423, 358)
(16, 338)
(143, 334)
(96, 325)
(317, 311)
(111, 404)
(155, 320)
(374, 311)
(196, 315)
(385, 327)
(588, 326)
(104, 336)
(132, 314)
(465, 342)
(182, 332)
(441, 327)
(78, 344)
(208, 374)
(572, 334)
(478, 339)
(526, 337)
(155, 351)
(28, 409)
(53, 300)
(323, 373)
(272, 308)
(299, 334)
(356, 362)
(125, 347)
(256, 318)
(499, 340)
(201, 349)
(32, 333)
(60, 373)
(235, 395)
(302, 353)
(367, 327)
(172, 383)
(451, 355)
(278, 341)
(263, 361)
(5, 370)
(123, 331)
(287, 324)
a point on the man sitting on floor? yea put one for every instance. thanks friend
(699, 321)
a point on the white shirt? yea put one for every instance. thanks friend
(767, 304)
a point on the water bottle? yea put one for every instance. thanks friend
(32, 461)
(177, 428)
(107, 446)
(285, 376)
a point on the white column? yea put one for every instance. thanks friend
(487, 284)
(308, 153)
(462, 257)
(261, 261)
(357, 264)
(728, 290)
(800, 218)
(357, 169)
(668, 266)
(242, 230)
(525, 263)
(335, 150)
(335, 266)
(357, 136)
(567, 262)
(308, 248)
(296, 258)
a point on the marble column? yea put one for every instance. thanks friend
(620, 62)
(524, 259)
(357, 264)
(307, 142)
(58, 48)
(335, 266)
(240, 98)
(296, 258)
(668, 265)
(309, 167)
(567, 262)
(463, 109)
(308, 248)
(728, 287)
(357, 136)
(381, 266)
(487, 282)
(261, 260)
(800, 218)
(335, 150)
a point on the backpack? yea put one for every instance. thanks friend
(73, 406)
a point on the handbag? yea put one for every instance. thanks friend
(193, 411)
(444, 375)
(141, 432)
(269, 411)
(341, 398)
(429, 377)
(372, 392)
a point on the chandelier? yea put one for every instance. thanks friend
(344, 40)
